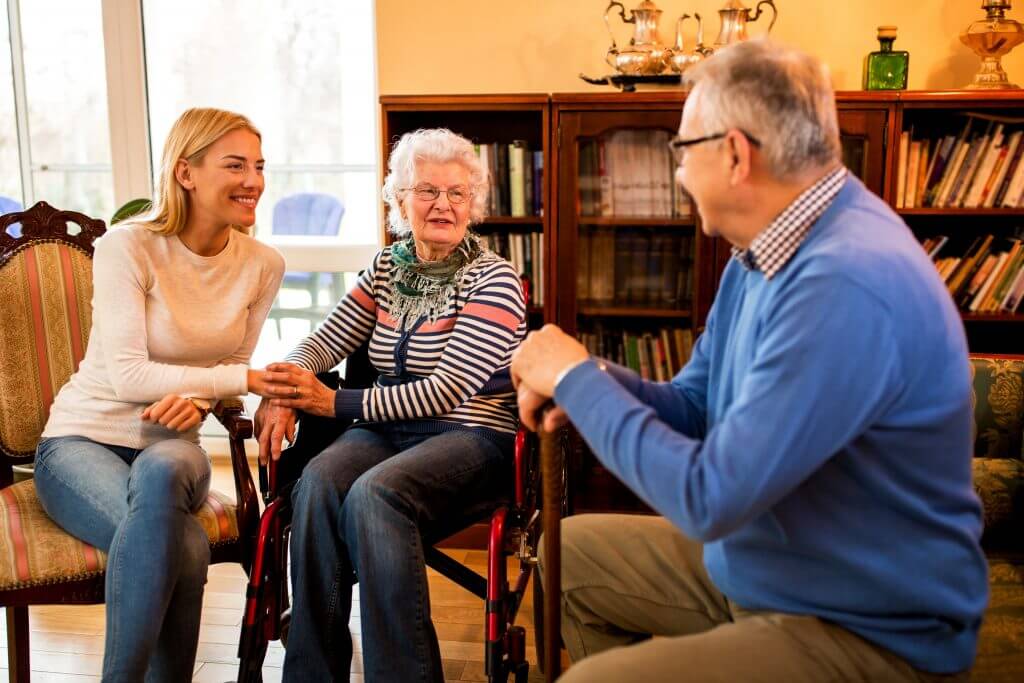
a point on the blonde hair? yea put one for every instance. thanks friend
(189, 139)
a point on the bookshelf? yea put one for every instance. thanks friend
(955, 177)
(657, 274)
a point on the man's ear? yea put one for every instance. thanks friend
(183, 174)
(741, 151)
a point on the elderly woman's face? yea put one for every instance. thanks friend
(438, 224)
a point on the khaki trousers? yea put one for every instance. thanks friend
(628, 577)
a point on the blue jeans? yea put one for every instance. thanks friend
(365, 507)
(137, 506)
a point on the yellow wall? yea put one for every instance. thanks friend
(479, 46)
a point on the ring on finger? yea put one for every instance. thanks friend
(295, 390)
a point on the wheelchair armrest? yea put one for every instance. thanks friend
(522, 465)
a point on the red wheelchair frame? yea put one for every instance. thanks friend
(514, 532)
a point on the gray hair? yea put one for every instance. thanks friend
(437, 145)
(779, 95)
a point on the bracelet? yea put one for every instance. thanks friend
(201, 405)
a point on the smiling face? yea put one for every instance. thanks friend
(225, 185)
(437, 225)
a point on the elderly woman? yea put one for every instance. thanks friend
(433, 436)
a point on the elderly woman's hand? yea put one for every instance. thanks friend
(273, 425)
(289, 386)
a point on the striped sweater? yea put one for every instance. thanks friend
(449, 374)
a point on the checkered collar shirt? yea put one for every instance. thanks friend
(776, 244)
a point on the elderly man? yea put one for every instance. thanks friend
(812, 460)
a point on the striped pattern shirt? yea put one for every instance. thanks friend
(451, 373)
(776, 244)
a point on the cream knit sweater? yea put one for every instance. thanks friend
(164, 321)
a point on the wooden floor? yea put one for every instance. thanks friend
(67, 642)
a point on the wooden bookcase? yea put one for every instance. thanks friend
(930, 115)
(564, 123)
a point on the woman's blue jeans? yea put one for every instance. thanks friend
(137, 506)
(363, 510)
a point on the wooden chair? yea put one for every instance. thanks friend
(45, 319)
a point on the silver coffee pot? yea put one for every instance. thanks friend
(735, 17)
(680, 60)
(645, 54)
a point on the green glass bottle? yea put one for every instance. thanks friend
(886, 69)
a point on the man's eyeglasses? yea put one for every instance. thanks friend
(429, 193)
(679, 145)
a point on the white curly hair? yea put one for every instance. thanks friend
(437, 145)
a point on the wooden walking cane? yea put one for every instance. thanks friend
(551, 468)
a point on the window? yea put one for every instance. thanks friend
(66, 102)
(10, 177)
(303, 74)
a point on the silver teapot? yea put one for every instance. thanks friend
(735, 17)
(645, 54)
(680, 60)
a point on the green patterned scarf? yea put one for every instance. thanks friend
(424, 288)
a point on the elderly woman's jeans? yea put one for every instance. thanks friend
(137, 505)
(365, 507)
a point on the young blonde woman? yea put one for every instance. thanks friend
(180, 297)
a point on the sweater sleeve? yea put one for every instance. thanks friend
(260, 307)
(822, 374)
(487, 329)
(120, 283)
(348, 325)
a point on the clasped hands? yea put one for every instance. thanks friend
(536, 364)
(285, 388)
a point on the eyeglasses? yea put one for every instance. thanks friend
(429, 193)
(679, 145)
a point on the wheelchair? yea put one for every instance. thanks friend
(514, 533)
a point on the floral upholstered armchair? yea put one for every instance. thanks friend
(999, 447)
(998, 468)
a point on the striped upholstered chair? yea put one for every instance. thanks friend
(45, 318)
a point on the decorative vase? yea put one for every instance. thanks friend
(991, 38)
(886, 69)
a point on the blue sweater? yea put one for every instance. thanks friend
(819, 440)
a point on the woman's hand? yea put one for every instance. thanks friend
(289, 386)
(173, 412)
(273, 424)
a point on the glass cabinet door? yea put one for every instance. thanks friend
(862, 136)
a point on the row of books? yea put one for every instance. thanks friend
(516, 178)
(525, 251)
(630, 173)
(656, 355)
(630, 267)
(987, 278)
(979, 168)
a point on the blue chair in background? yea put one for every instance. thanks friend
(310, 214)
(8, 205)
